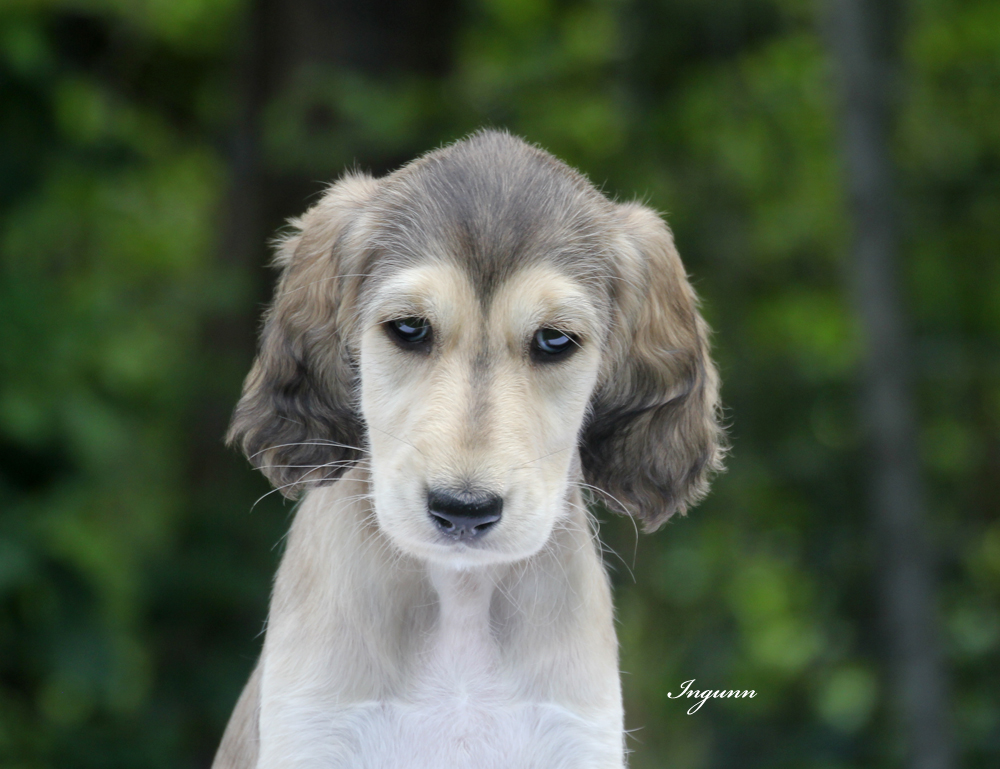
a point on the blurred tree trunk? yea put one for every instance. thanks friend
(228, 338)
(861, 35)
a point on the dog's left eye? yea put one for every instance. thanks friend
(551, 344)
(412, 332)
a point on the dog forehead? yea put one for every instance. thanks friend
(531, 295)
(492, 205)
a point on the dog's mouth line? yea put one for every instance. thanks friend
(459, 543)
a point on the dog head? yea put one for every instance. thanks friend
(485, 329)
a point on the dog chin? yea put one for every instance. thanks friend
(464, 557)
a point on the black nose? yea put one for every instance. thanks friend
(464, 516)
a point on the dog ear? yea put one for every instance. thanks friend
(653, 438)
(298, 420)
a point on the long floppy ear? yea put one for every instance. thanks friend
(298, 421)
(654, 439)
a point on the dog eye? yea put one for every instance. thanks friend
(411, 332)
(551, 344)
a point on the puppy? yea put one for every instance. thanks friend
(457, 357)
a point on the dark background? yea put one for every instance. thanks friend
(832, 174)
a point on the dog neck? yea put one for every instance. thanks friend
(462, 648)
(464, 597)
(382, 620)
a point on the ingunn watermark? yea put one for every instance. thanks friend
(704, 694)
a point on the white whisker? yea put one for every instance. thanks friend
(331, 444)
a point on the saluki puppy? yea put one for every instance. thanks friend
(457, 356)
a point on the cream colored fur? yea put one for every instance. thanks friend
(376, 659)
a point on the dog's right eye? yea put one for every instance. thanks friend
(550, 344)
(410, 332)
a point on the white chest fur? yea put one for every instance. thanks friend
(463, 712)
(433, 668)
(465, 735)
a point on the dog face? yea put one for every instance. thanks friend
(484, 328)
(473, 418)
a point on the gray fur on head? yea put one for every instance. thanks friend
(492, 204)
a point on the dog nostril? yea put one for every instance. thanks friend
(464, 516)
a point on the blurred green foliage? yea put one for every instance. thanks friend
(133, 576)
